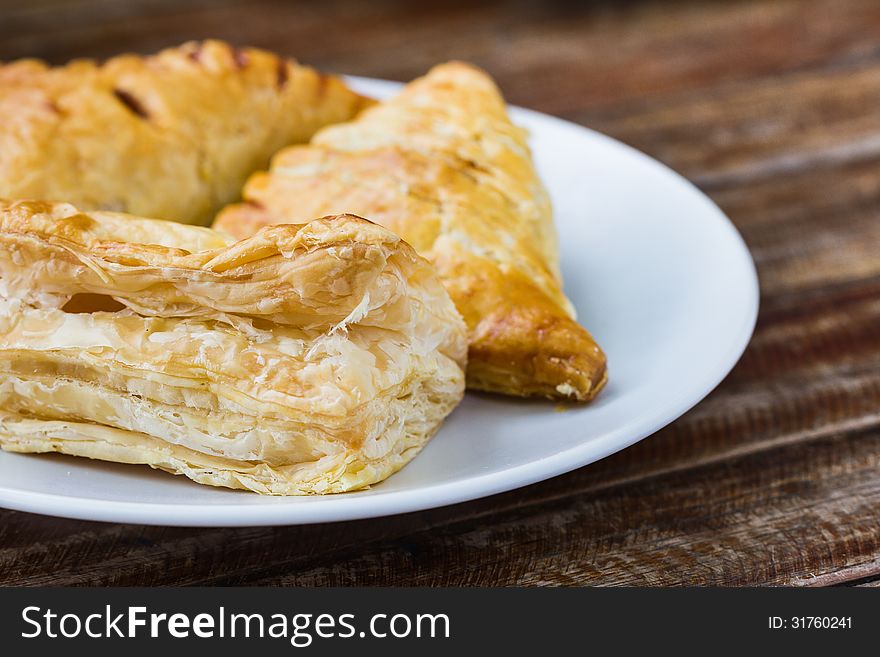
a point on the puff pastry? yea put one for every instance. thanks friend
(315, 358)
(442, 165)
(171, 136)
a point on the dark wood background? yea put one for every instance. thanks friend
(772, 108)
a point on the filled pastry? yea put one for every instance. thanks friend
(315, 358)
(442, 165)
(171, 136)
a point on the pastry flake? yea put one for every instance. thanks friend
(442, 165)
(312, 358)
(172, 136)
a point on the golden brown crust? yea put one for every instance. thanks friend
(308, 358)
(442, 166)
(171, 136)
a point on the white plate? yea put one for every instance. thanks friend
(657, 273)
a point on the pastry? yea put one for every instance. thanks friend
(171, 136)
(442, 166)
(313, 358)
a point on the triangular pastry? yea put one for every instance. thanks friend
(314, 358)
(171, 136)
(442, 165)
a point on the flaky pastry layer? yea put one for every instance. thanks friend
(442, 165)
(308, 358)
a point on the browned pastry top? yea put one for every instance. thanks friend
(442, 165)
(172, 135)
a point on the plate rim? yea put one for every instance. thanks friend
(344, 507)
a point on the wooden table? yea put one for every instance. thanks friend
(772, 108)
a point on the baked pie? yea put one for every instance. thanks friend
(310, 358)
(172, 136)
(442, 166)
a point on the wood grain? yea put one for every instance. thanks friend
(773, 480)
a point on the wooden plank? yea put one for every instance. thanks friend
(790, 516)
(558, 57)
(772, 127)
